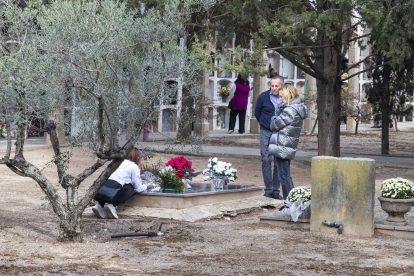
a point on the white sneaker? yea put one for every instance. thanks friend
(99, 211)
(230, 131)
(111, 211)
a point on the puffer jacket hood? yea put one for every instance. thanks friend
(286, 126)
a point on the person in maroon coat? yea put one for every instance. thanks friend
(241, 90)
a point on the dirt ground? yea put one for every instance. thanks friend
(369, 142)
(229, 246)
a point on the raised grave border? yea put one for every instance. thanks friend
(199, 194)
(283, 219)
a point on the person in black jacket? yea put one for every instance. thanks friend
(264, 111)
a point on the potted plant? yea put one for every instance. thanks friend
(224, 93)
(220, 172)
(299, 202)
(397, 197)
(180, 165)
(272, 72)
(170, 181)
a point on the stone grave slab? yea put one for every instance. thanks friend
(199, 194)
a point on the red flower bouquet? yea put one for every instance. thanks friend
(180, 165)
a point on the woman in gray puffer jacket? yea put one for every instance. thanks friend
(286, 126)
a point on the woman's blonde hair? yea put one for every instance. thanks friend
(135, 156)
(289, 93)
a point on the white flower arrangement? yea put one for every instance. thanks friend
(300, 193)
(220, 168)
(397, 188)
(167, 169)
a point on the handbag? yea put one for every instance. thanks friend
(230, 105)
(106, 194)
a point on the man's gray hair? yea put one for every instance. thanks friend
(282, 80)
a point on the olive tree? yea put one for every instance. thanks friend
(108, 65)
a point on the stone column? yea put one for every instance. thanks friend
(201, 128)
(310, 103)
(259, 86)
(343, 191)
(353, 83)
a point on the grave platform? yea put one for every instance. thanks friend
(283, 219)
(199, 194)
(201, 202)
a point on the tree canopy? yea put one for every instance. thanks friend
(104, 62)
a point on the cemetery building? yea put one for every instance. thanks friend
(219, 114)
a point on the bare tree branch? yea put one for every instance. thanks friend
(51, 127)
(16, 170)
(355, 65)
(20, 141)
(299, 47)
(358, 37)
(100, 125)
(304, 68)
(97, 184)
(87, 172)
(9, 142)
(363, 71)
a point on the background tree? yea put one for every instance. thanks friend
(85, 53)
(194, 26)
(313, 35)
(392, 39)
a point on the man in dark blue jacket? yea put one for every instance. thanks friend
(264, 110)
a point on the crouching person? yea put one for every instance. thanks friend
(120, 186)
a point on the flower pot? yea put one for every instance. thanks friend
(223, 100)
(171, 191)
(218, 184)
(396, 209)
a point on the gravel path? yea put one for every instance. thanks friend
(228, 246)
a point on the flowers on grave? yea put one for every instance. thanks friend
(180, 165)
(398, 188)
(3, 132)
(219, 169)
(300, 193)
(169, 179)
(219, 120)
(272, 72)
(224, 93)
(299, 203)
(344, 75)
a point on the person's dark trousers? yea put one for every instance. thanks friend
(122, 195)
(242, 119)
(271, 180)
(283, 171)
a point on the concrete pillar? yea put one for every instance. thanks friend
(350, 123)
(343, 191)
(60, 125)
(310, 103)
(353, 83)
(201, 128)
(259, 86)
